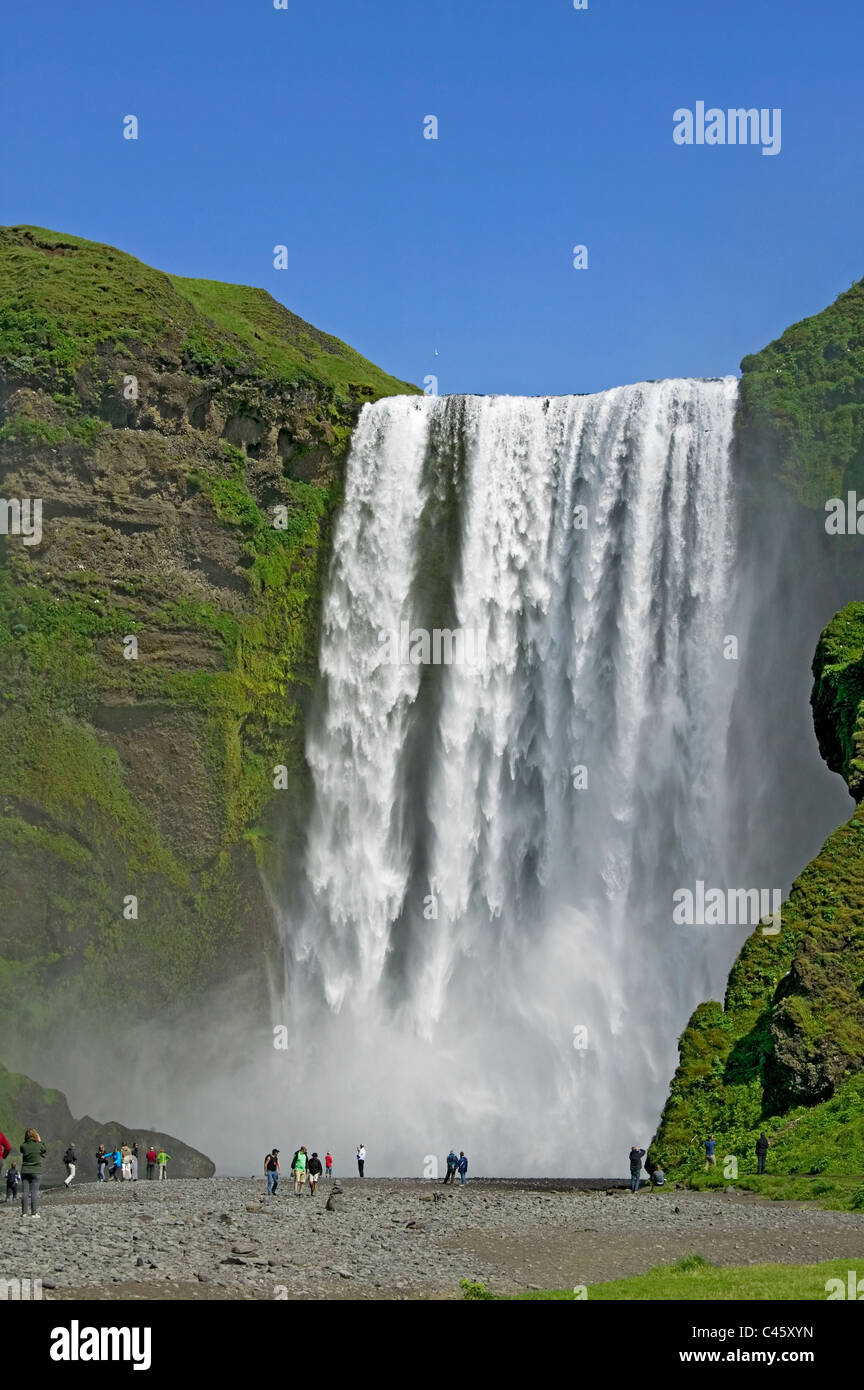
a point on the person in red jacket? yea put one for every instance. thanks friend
(5, 1149)
(151, 1162)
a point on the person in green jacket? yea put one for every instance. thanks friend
(299, 1167)
(32, 1153)
(162, 1160)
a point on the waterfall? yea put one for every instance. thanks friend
(482, 951)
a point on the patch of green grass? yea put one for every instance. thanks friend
(695, 1279)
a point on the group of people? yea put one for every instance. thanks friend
(761, 1148)
(121, 1163)
(304, 1167)
(658, 1177)
(26, 1178)
(456, 1165)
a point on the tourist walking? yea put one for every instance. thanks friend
(151, 1157)
(272, 1171)
(70, 1158)
(452, 1162)
(13, 1182)
(328, 1164)
(162, 1163)
(33, 1152)
(101, 1163)
(298, 1168)
(636, 1157)
(5, 1149)
(115, 1172)
(361, 1159)
(762, 1147)
(314, 1170)
(462, 1167)
(710, 1152)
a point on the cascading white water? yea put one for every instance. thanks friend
(493, 849)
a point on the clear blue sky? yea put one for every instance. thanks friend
(304, 127)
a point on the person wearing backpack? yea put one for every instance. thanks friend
(32, 1153)
(151, 1162)
(70, 1158)
(272, 1171)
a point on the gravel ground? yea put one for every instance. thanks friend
(223, 1238)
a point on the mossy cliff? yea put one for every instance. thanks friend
(186, 440)
(784, 1053)
(801, 411)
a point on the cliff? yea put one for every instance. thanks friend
(785, 1051)
(24, 1104)
(158, 645)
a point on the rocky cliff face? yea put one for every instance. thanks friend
(157, 646)
(24, 1104)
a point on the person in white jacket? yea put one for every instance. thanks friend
(361, 1158)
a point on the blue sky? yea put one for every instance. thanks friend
(304, 127)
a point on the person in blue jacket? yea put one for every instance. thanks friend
(462, 1166)
(452, 1162)
(636, 1157)
(710, 1152)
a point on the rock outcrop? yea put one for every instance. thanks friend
(25, 1104)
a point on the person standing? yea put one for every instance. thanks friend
(70, 1158)
(126, 1163)
(452, 1163)
(361, 1158)
(101, 1161)
(272, 1171)
(298, 1166)
(152, 1157)
(314, 1171)
(135, 1161)
(33, 1152)
(762, 1147)
(162, 1161)
(462, 1166)
(5, 1149)
(328, 1164)
(710, 1152)
(13, 1182)
(636, 1157)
